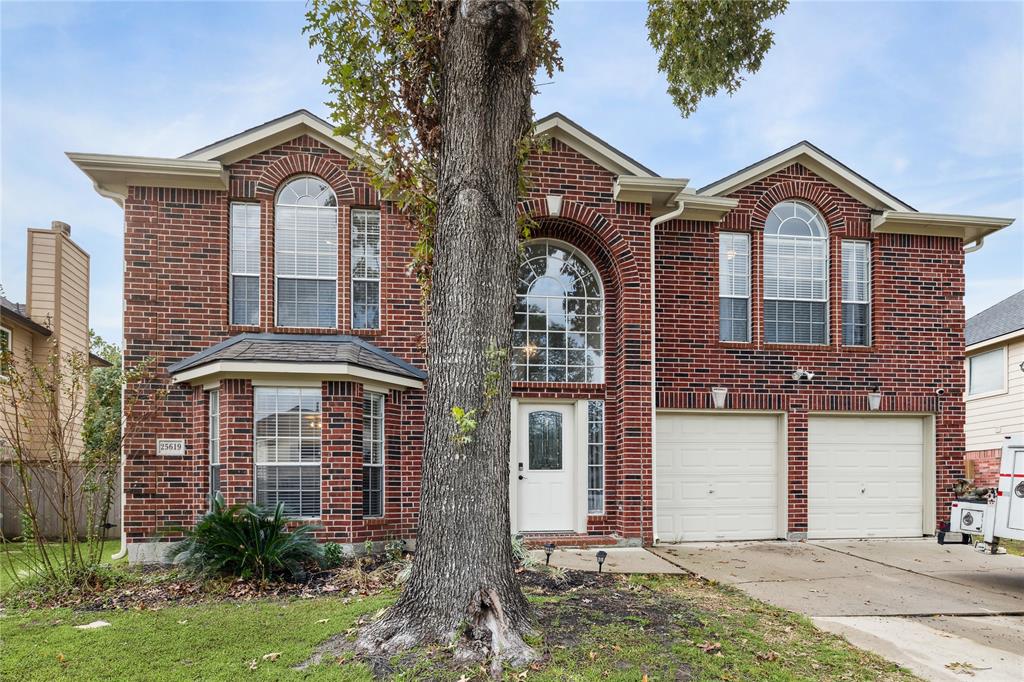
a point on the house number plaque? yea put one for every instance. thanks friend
(170, 448)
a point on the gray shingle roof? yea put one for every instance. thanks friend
(302, 348)
(19, 313)
(1003, 318)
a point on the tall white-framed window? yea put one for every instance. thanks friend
(558, 332)
(245, 263)
(288, 425)
(6, 351)
(365, 268)
(373, 455)
(734, 286)
(213, 442)
(986, 373)
(795, 275)
(595, 457)
(856, 293)
(306, 254)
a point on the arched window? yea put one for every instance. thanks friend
(559, 321)
(306, 254)
(795, 275)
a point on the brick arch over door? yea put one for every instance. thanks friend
(277, 173)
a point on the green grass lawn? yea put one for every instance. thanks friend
(667, 627)
(18, 558)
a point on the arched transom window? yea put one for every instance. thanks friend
(559, 321)
(795, 275)
(306, 254)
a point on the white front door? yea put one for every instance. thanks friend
(546, 466)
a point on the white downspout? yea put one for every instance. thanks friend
(671, 215)
(123, 552)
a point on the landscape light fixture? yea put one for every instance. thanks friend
(875, 398)
(548, 550)
(718, 397)
(601, 556)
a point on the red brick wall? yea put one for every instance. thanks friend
(917, 328)
(985, 465)
(176, 304)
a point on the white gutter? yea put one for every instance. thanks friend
(974, 246)
(671, 215)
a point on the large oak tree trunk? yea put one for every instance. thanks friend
(462, 583)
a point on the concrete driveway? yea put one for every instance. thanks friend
(942, 611)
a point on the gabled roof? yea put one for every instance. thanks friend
(322, 356)
(562, 128)
(820, 163)
(1002, 319)
(272, 133)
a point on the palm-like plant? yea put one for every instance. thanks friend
(247, 541)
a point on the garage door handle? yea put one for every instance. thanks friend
(862, 490)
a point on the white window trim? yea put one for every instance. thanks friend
(827, 239)
(211, 396)
(604, 461)
(566, 246)
(278, 277)
(231, 272)
(373, 395)
(1002, 350)
(9, 349)
(750, 288)
(380, 267)
(255, 489)
(842, 300)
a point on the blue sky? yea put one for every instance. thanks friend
(925, 99)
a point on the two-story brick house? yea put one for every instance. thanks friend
(775, 355)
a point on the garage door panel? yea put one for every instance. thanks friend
(717, 477)
(865, 476)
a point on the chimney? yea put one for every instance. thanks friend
(60, 226)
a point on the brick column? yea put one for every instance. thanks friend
(236, 440)
(341, 460)
(796, 463)
(949, 451)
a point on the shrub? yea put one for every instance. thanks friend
(247, 541)
(332, 555)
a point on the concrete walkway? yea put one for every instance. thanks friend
(619, 560)
(932, 608)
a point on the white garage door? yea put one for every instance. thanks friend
(865, 477)
(717, 477)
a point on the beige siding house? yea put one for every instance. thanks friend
(995, 385)
(54, 319)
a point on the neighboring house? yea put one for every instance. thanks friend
(53, 321)
(995, 386)
(270, 281)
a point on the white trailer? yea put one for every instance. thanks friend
(1000, 516)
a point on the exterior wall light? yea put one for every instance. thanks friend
(601, 556)
(875, 398)
(718, 397)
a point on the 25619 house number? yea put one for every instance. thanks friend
(170, 448)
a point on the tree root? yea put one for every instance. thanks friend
(485, 635)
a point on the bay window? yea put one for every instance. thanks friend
(213, 443)
(306, 254)
(287, 434)
(373, 455)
